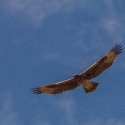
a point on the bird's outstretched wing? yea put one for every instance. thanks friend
(104, 63)
(56, 88)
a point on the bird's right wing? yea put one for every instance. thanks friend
(56, 88)
(104, 63)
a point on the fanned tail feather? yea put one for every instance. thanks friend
(90, 86)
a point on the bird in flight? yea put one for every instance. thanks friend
(84, 78)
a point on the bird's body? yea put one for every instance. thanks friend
(84, 78)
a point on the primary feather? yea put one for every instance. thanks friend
(83, 79)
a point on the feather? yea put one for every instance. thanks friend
(93, 71)
(56, 88)
(104, 63)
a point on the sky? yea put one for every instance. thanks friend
(44, 42)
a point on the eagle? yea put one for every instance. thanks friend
(84, 78)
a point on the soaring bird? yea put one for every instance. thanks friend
(84, 78)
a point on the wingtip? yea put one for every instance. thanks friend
(117, 49)
(35, 90)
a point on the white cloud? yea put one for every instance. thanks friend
(7, 114)
(112, 23)
(122, 64)
(36, 11)
(39, 121)
(68, 106)
(100, 121)
(113, 28)
(50, 56)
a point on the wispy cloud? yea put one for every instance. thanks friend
(112, 23)
(122, 64)
(68, 106)
(36, 11)
(101, 121)
(50, 56)
(7, 113)
(39, 121)
(114, 29)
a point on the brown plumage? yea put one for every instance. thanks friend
(84, 78)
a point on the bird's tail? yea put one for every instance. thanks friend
(90, 86)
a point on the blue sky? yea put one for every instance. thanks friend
(43, 42)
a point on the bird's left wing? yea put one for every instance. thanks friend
(104, 63)
(56, 88)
